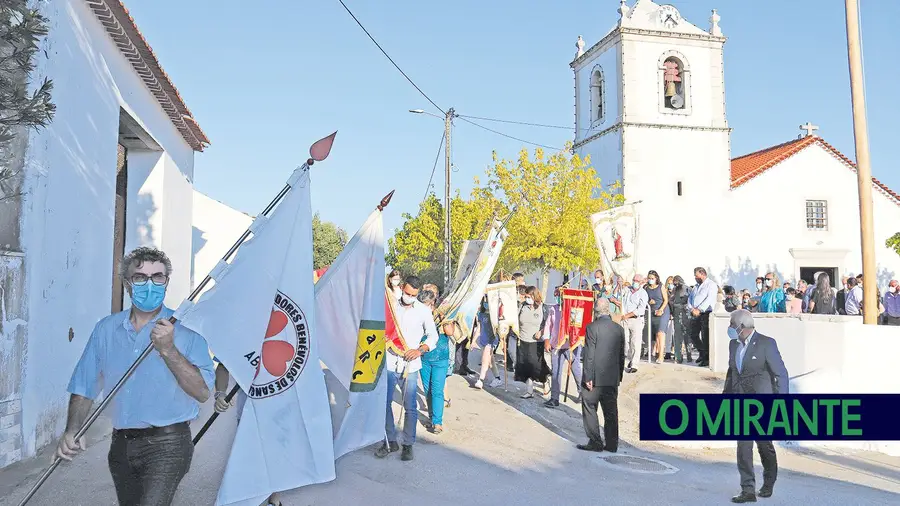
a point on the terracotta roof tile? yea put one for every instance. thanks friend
(122, 29)
(744, 168)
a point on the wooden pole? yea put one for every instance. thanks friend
(863, 169)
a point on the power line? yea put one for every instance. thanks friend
(389, 57)
(509, 136)
(436, 158)
(517, 122)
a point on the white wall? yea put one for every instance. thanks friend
(68, 215)
(825, 354)
(814, 174)
(216, 227)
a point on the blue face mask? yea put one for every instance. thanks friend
(148, 297)
(732, 333)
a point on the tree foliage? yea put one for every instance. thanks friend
(893, 242)
(21, 29)
(328, 242)
(553, 197)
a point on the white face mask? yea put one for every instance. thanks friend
(892, 289)
(395, 281)
(529, 301)
(407, 299)
(769, 283)
(759, 286)
(598, 281)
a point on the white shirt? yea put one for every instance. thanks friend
(854, 301)
(415, 322)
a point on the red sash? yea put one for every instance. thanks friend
(392, 336)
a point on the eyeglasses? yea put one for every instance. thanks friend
(139, 279)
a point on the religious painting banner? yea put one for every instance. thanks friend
(461, 306)
(616, 232)
(467, 258)
(577, 312)
(503, 308)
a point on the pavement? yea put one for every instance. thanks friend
(499, 449)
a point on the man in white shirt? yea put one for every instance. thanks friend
(414, 321)
(853, 305)
(702, 302)
(634, 307)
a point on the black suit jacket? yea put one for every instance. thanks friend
(763, 370)
(604, 353)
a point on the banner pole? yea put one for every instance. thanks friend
(505, 371)
(318, 152)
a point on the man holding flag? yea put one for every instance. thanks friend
(413, 320)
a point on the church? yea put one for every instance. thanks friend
(651, 113)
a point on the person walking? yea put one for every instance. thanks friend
(678, 304)
(414, 320)
(487, 340)
(701, 302)
(604, 362)
(151, 447)
(562, 355)
(755, 367)
(530, 364)
(435, 364)
(634, 307)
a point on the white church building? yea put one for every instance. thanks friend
(651, 113)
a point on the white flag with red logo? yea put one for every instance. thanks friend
(260, 321)
(350, 317)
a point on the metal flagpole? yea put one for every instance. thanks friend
(318, 152)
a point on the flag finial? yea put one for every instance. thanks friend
(320, 149)
(386, 200)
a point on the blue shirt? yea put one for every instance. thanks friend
(703, 297)
(441, 352)
(772, 301)
(151, 397)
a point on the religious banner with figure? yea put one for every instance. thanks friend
(503, 308)
(462, 305)
(616, 232)
(577, 312)
(467, 258)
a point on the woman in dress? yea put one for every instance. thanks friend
(530, 364)
(659, 315)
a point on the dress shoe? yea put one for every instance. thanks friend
(766, 491)
(407, 453)
(744, 497)
(386, 450)
(551, 404)
(590, 447)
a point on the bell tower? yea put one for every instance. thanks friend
(650, 112)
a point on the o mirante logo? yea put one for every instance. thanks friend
(285, 350)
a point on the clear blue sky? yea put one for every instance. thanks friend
(265, 79)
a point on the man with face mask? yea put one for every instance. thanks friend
(892, 304)
(754, 367)
(151, 447)
(701, 302)
(634, 309)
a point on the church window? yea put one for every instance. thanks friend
(816, 215)
(597, 96)
(674, 83)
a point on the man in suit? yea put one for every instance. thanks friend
(754, 367)
(604, 362)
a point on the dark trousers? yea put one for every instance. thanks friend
(461, 362)
(679, 324)
(891, 320)
(607, 399)
(146, 470)
(745, 464)
(700, 335)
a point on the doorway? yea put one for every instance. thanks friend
(119, 227)
(808, 274)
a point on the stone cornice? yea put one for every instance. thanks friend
(648, 125)
(624, 30)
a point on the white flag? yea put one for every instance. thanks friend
(260, 321)
(616, 232)
(350, 318)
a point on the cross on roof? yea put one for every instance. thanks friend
(809, 127)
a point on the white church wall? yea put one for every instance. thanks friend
(605, 157)
(608, 63)
(68, 214)
(775, 204)
(825, 354)
(216, 227)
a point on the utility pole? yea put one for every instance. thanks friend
(863, 169)
(448, 123)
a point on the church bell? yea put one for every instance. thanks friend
(670, 88)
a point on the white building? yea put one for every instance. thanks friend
(113, 171)
(650, 112)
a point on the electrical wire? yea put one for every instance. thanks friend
(509, 136)
(519, 122)
(389, 57)
(436, 158)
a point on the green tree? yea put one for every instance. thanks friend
(328, 241)
(21, 28)
(553, 198)
(418, 247)
(893, 242)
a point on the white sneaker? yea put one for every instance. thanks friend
(495, 383)
(479, 384)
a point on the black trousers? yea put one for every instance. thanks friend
(700, 335)
(891, 320)
(461, 363)
(769, 460)
(680, 322)
(147, 470)
(607, 398)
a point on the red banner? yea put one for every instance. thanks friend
(577, 312)
(392, 336)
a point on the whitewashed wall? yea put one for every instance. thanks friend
(216, 228)
(67, 221)
(825, 354)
